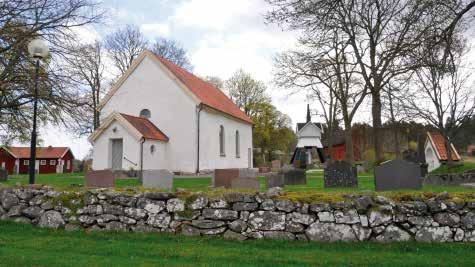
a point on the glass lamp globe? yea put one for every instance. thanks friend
(38, 48)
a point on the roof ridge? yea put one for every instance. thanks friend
(170, 65)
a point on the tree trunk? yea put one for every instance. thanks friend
(330, 144)
(349, 154)
(376, 113)
(448, 148)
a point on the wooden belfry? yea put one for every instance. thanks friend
(309, 138)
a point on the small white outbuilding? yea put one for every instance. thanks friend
(160, 116)
(436, 152)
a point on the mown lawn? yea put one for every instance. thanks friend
(314, 183)
(457, 168)
(25, 245)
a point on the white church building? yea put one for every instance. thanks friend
(160, 116)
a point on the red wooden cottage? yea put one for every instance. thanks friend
(48, 159)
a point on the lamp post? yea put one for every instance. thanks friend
(38, 49)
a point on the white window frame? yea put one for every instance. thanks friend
(42, 162)
(52, 162)
(26, 162)
(68, 164)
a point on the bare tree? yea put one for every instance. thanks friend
(443, 97)
(382, 35)
(86, 71)
(20, 22)
(216, 81)
(324, 62)
(173, 51)
(246, 92)
(124, 45)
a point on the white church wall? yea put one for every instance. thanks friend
(210, 157)
(156, 158)
(173, 110)
(102, 147)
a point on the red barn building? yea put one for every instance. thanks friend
(48, 159)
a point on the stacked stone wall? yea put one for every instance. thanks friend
(240, 216)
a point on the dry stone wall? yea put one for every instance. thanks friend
(244, 216)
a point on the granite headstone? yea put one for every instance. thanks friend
(274, 179)
(101, 179)
(396, 175)
(294, 176)
(162, 179)
(3, 175)
(340, 174)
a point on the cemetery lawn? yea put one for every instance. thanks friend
(25, 245)
(467, 165)
(73, 181)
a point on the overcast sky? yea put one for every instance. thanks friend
(220, 36)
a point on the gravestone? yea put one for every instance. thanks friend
(101, 179)
(3, 175)
(264, 169)
(397, 174)
(340, 174)
(162, 179)
(224, 177)
(274, 179)
(245, 183)
(275, 165)
(293, 176)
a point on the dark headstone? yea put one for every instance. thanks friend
(274, 179)
(396, 175)
(294, 176)
(340, 174)
(101, 179)
(246, 183)
(3, 175)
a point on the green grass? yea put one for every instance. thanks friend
(25, 245)
(458, 168)
(314, 183)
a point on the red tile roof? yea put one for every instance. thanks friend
(145, 127)
(41, 152)
(438, 143)
(208, 94)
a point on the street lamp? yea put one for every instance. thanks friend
(38, 49)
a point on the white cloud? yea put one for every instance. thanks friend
(214, 14)
(87, 34)
(154, 30)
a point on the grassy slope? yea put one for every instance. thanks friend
(467, 165)
(314, 183)
(24, 245)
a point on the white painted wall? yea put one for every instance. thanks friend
(431, 157)
(158, 159)
(310, 130)
(174, 111)
(210, 157)
(102, 147)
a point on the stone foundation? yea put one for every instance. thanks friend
(245, 216)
